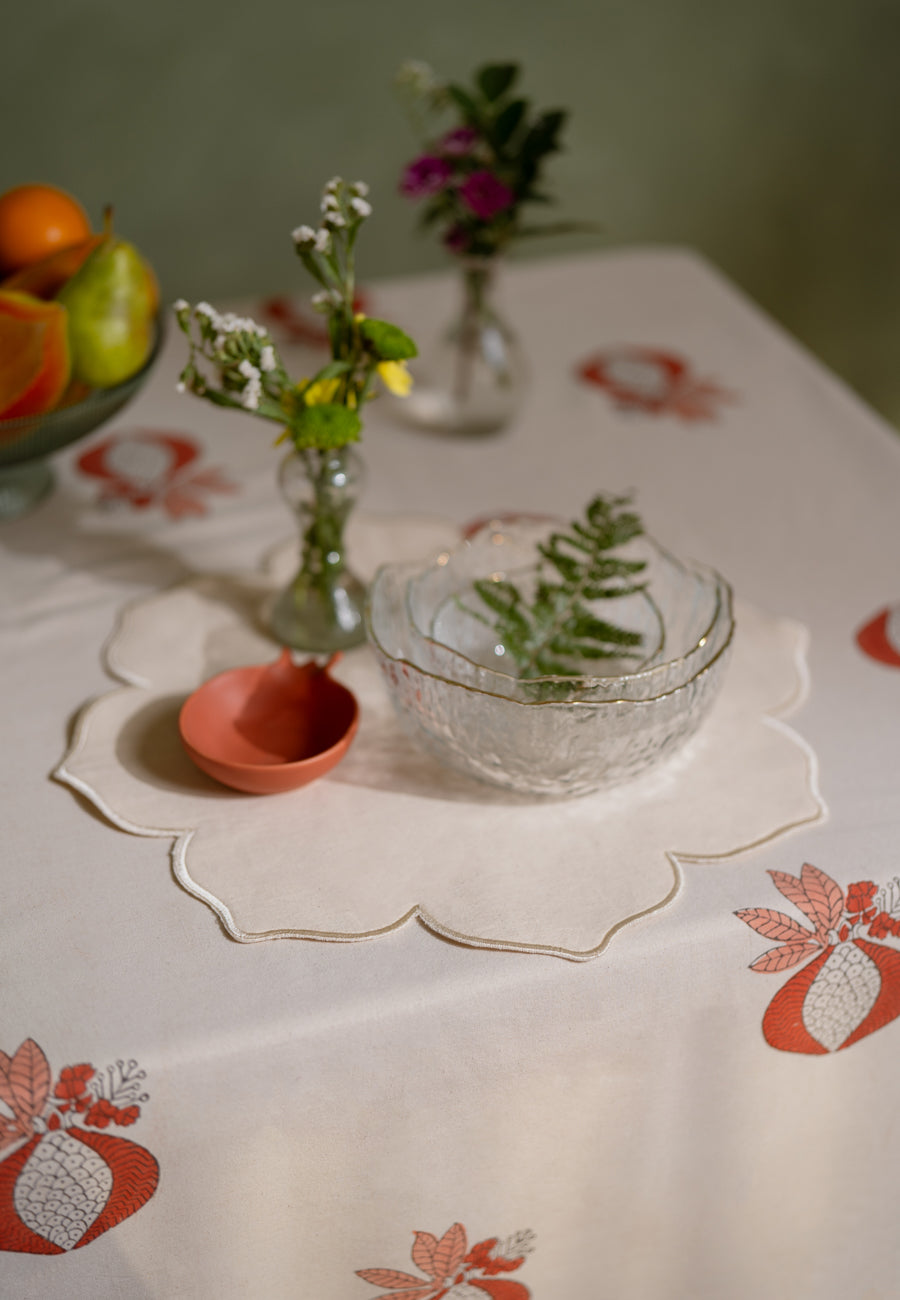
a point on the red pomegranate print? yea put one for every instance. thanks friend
(149, 467)
(880, 637)
(61, 1183)
(454, 1271)
(507, 518)
(654, 382)
(851, 987)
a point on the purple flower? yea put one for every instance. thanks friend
(486, 195)
(425, 175)
(458, 142)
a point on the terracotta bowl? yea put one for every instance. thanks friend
(270, 727)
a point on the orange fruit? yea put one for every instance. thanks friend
(35, 221)
(35, 360)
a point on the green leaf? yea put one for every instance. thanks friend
(507, 122)
(333, 370)
(467, 106)
(325, 426)
(387, 341)
(542, 139)
(495, 79)
(558, 631)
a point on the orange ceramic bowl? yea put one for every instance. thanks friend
(271, 727)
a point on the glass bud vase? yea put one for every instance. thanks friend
(321, 609)
(476, 380)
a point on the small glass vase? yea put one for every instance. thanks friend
(475, 382)
(321, 609)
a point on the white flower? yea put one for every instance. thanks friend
(418, 76)
(302, 235)
(248, 369)
(181, 386)
(361, 207)
(334, 220)
(251, 394)
(267, 358)
(334, 184)
(329, 202)
(232, 324)
(360, 188)
(323, 238)
(180, 305)
(325, 299)
(204, 309)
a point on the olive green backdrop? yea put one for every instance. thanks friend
(762, 132)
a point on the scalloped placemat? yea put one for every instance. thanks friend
(390, 835)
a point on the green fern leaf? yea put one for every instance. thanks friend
(549, 636)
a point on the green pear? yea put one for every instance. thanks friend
(111, 301)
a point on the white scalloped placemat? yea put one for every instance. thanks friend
(390, 835)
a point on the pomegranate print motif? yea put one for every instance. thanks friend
(880, 637)
(453, 1270)
(149, 467)
(62, 1183)
(654, 382)
(850, 986)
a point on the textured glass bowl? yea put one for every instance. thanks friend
(537, 746)
(24, 442)
(684, 617)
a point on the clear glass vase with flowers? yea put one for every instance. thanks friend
(233, 362)
(474, 178)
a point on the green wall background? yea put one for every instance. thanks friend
(762, 132)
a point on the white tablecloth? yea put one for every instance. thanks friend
(310, 1107)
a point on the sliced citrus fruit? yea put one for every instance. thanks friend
(35, 362)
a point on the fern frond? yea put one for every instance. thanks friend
(574, 567)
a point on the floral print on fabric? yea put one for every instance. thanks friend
(850, 983)
(654, 382)
(62, 1183)
(454, 1271)
(879, 637)
(152, 468)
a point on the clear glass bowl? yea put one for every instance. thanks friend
(26, 441)
(543, 746)
(684, 617)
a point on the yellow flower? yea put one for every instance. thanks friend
(322, 391)
(395, 377)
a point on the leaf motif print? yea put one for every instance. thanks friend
(784, 957)
(423, 1252)
(6, 1092)
(389, 1277)
(847, 985)
(792, 888)
(452, 1272)
(67, 1184)
(29, 1080)
(450, 1251)
(426, 1292)
(824, 894)
(775, 925)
